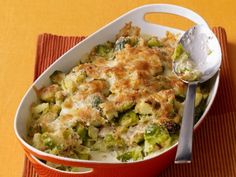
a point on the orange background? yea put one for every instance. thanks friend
(21, 21)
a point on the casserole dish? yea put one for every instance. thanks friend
(152, 165)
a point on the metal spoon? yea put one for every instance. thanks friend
(204, 49)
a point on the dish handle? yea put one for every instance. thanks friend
(170, 9)
(42, 168)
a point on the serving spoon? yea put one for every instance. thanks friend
(204, 51)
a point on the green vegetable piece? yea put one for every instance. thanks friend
(137, 153)
(143, 108)
(178, 51)
(125, 157)
(198, 97)
(79, 169)
(99, 145)
(149, 148)
(93, 132)
(151, 130)
(57, 77)
(75, 169)
(56, 166)
(81, 77)
(83, 152)
(129, 119)
(84, 156)
(109, 141)
(138, 138)
(120, 43)
(156, 135)
(126, 106)
(184, 56)
(47, 141)
(102, 50)
(153, 42)
(67, 133)
(96, 101)
(199, 110)
(56, 149)
(83, 149)
(82, 132)
(133, 154)
(209, 52)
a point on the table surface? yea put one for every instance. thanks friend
(22, 21)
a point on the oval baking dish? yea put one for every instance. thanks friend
(149, 167)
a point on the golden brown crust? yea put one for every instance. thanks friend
(128, 30)
(123, 86)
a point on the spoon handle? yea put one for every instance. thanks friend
(184, 150)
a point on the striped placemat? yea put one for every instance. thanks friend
(214, 153)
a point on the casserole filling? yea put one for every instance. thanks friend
(121, 100)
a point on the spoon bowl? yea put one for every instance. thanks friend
(204, 50)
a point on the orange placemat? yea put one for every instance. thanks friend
(214, 153)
